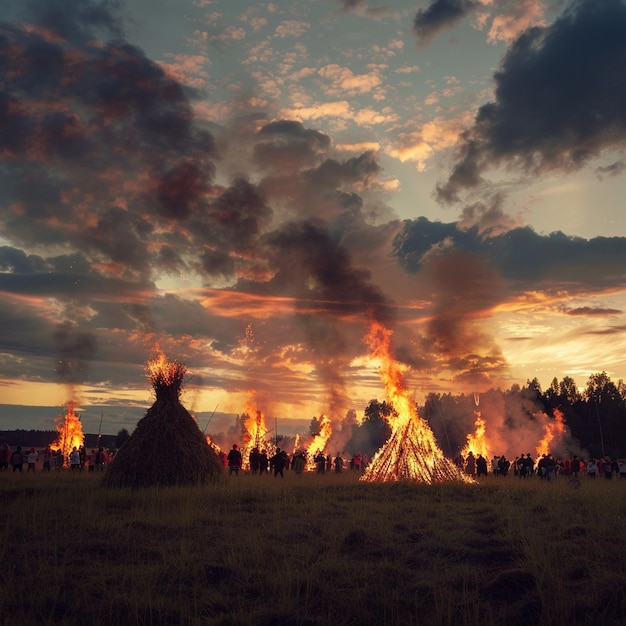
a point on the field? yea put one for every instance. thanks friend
(312, 550)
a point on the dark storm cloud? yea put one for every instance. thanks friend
(519, 254)
(440, 15)
(560, 99)
(98, 144)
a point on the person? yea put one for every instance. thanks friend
(17, 459)
(521, 466)
(357, 461)
(254, 460)
(339, 464)
(591, 468)
(75, 460)
(100, 458)
(31, 459)
(503, 466)
(47, 458)
(278, 462)
(320, 462)
(5, 456)
(470, 464)
(481, 465)
(298, 463)
(622, 468)
(263, 463)
(234, 460)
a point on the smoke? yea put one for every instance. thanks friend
(75, 350)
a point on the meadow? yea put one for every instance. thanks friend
(312, 550)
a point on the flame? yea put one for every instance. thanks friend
(411, 452)
(554, 430)
(478, 442)
(254, 434)
(321, 438)
(163, 373)
(213, 445)
(70, 433)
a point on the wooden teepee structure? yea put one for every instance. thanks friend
(166, 448)
(411, 452)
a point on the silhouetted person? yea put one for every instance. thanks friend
(234, 460)
(17, 459)
(278, 462)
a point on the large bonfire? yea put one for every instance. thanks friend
(69, 434)
(411, 452)
(166, 448)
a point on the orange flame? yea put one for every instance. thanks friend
(478, 443)
(554, 431)
(321, 438)
(411, 452)
(70, 433)
(255, 431)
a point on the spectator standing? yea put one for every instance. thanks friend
(234, 460)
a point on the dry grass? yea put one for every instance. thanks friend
(313, 550)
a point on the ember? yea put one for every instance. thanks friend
(411, 452)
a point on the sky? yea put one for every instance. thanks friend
(247, 187)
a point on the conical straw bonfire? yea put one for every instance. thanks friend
(167, 447)
(411, 452)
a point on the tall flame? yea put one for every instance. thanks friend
(254, 433)
(321, 438)
(478, 443)
(69, 433)
(411, 452)
(554, 430)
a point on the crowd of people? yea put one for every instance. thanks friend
(261, 463)
(50, 459)
(546, 466)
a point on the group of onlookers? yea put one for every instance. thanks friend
(546, 466)
(52, 459)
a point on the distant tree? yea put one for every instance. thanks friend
(369, 436)
(568, 391)
(122, 437)
(606, 406)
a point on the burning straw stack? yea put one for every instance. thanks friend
(167, 447)
(411, 453)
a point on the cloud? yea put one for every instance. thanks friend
(440, 15)
(560, 100)
(508, 27)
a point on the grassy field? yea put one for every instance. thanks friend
(312, 550)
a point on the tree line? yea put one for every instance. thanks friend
(594, 414)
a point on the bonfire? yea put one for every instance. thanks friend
(411, 452)
(167, 447)
(69, 434)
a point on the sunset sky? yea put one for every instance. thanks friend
(246, 186)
